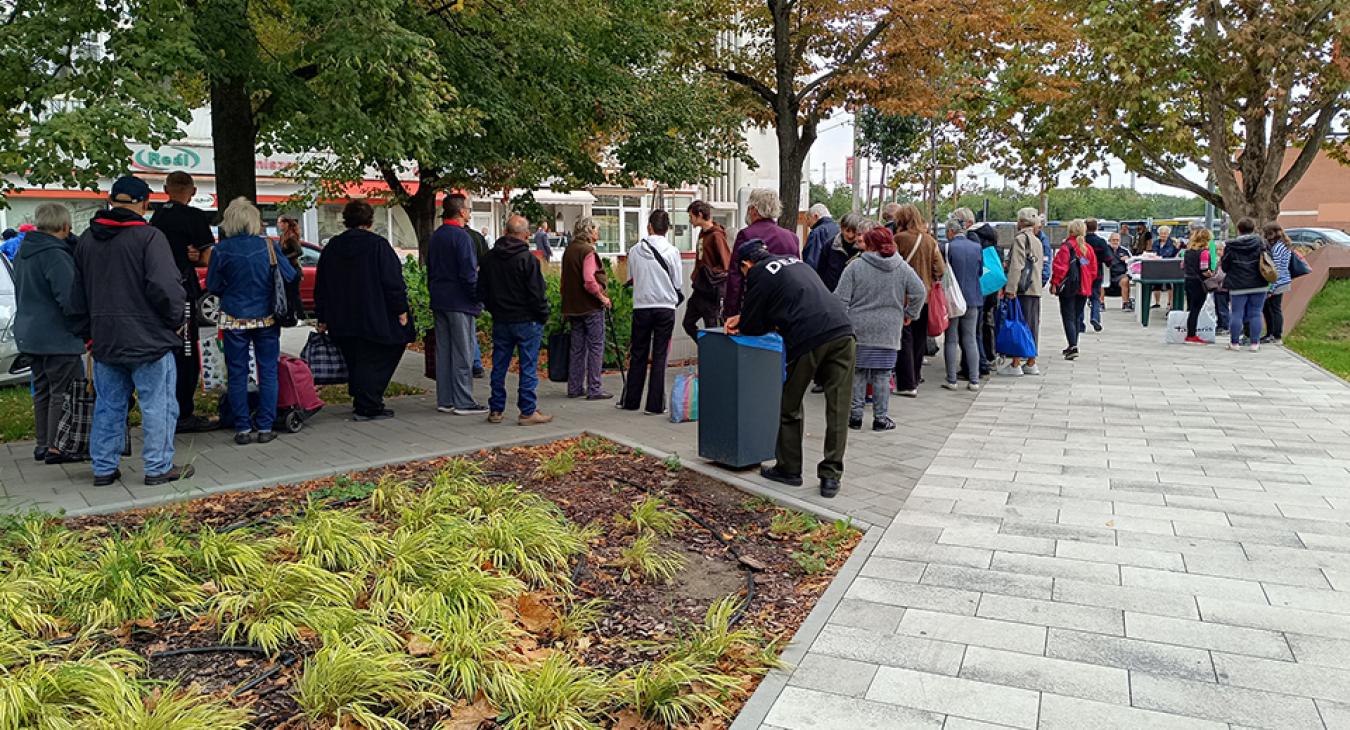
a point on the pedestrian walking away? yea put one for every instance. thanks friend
(965, 259)
(511, 287)
(709, 280)
(130, 291)
(584, 303)
(1105, 260)
(240, 274)
(1025, 262)
(784, 295)
(881, 294)
(361, 301)
(920, 251)
(188, 230)
(653, 269)
(1247, 285)
(46, 325)
(1071, 280)
(452, 282)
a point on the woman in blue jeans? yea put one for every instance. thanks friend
(1241, 264)
(240, 274)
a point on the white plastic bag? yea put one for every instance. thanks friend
(956, 301)
(1176, 328)
(1205, 326)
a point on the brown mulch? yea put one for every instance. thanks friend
(606, 481)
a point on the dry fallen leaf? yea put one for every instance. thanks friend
(534, 614)
(464, 716)
(421, 646)
(753, 563)
(629, 719)
(209, 588)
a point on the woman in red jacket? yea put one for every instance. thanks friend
(1071, 278)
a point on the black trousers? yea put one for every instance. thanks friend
(52, 376)
(1195, 302)
(652, 329)
(913, 348)
(703, 305)
(1274, 311)
(370, 367)
(1071, 311)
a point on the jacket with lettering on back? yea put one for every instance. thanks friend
(784, 295)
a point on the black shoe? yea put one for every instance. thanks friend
(267, 437)
(174, 474)
(1097, 326)
(883, 424)
(383, 415)
(54, 458)
(817, 389)
(243, 438)
(40, 453)
(774, 475)
(197, 424)
(602, 395)
(107, 479)
(1071, 353)
(829, 487)
(855, 424)
(479, 374)
(962, 375)
(1156, 306)
(576, 395)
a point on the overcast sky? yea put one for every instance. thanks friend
(835, 145)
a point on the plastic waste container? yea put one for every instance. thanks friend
(740, 389)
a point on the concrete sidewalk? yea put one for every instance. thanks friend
(1152, 536)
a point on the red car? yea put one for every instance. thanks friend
(209, 304)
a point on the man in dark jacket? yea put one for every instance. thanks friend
(822, 235)
(46, 328)
(541, 241)
(986, 235)
(511, 286)
(128, 286)
(480, 251)
(452, 280)
(1105, 259)
(783, 295)
(188, 231)
(710, 271)
(1241, 265)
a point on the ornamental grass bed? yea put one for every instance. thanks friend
(578, 584)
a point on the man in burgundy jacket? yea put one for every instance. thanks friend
(763, 210)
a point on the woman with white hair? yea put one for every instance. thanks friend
(1026, 259)
(823, 232)
(240, 273)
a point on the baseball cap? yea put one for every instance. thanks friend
(129, 189)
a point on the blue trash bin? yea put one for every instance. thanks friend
(740, 382)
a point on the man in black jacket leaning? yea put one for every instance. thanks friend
(1105, 259)
(784, 295)
(511, 288)
(128, 286)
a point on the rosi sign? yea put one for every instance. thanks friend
(167, 158)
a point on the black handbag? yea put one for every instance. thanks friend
(283, 309)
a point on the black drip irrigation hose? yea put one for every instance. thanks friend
(209, 650)
(283, 661)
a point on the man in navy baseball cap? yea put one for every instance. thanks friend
(129, 189)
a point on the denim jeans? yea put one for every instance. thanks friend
(455, 334)
(880, 380)
(1247, 309)
(962, 332)
(508, 338)
(154, 384)
(1096, 303)
(266, 343)
(1222, 302)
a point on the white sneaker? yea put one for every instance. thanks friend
(445, 409)
(973, 387)
(1234, 347)
(950, 386)
(1256, 347)
(1013, 370)
(1031, 369)
(907, 393)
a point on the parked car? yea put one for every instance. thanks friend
(1314, 237)
(9, 348)
(209, 304)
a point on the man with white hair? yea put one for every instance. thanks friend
(823, 231)
(45, 328)
(763, 210)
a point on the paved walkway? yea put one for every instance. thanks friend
(881, 468)
(1152, 536)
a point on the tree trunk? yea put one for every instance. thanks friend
(234, 134)
(421, 210)
(789, 175)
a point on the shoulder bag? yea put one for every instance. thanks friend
(679, 293)
(282, 310)
(1268, 271)
(956, 300)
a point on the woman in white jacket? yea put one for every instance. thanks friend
(654, 270)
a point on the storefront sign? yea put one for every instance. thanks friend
(167, 159)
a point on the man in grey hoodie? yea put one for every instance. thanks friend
(46, 327)
(882, 294)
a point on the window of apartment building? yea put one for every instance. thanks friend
(619, 218)
(681, 230)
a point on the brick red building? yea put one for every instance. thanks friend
(1321, 199)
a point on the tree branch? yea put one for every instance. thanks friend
(847, 60)
(390, 176)
(1311, 147)
(746, 80)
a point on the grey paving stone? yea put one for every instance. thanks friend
(989, 581)
(1290, 678)
(1057, 567)
(1320, 650)
(933, 553)
(834, 675)
(804, 709)
(1146, 656)
(1056, 531)
(910, 595)
(1335, 715)
(954, 696)
(1312, 599)
(1050, 613)
(1282, 573)
(1071, 713)
(1290, 620)
(1115, 555)
(997, 541)
(1206, 635)
(895, 651)
(877, 617)
(905, 571)
(1115, 522)
(1236, 705)
(1072, 678)
(1007, 635)
(1192, 584)
(1125, 597)
(1185, 545)
(961, 723)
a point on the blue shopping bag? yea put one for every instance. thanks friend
(994, 277)
(1014, 336)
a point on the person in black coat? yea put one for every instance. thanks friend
(1105, 258)
(361, 301)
